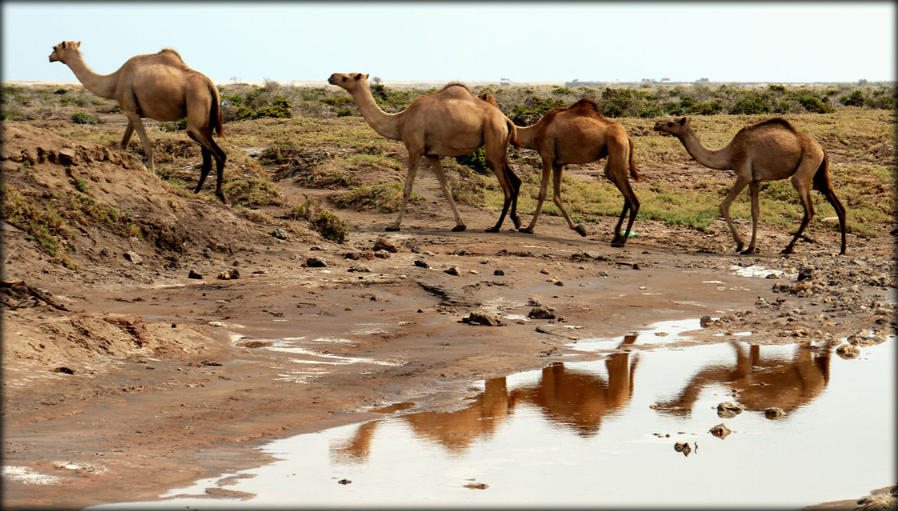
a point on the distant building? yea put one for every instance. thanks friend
(703, 80)
(504, 81)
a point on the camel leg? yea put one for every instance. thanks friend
(413, 157)
(543, 189)
(556, 198)
(725, 209)
(753, 188)
(830, 195)
(804, 193)
(444, 184)
(515, 183)
(496, 158)
(134, 120)
(127, 137)
(209, 149)
(620, 177)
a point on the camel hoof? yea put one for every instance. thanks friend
(580, 230)
(391, 228)
(517, 222)
(458, 228)
(749, 250)
(618, 243)
(787, 250)
(492, 229)
(527, 230)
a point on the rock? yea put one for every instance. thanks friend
(683, 447)
(344, 481)
(359, 268)
(705, 321)
(314, 262)
(279, 233)
(847, 351)
(729, 409)
(421, 264)
(104, 252)
(134, 257)
(541, 313)
(231, 274)
(194, 275)
(64, 370)
(720, 431)
(483, 318)
(805, 273)
(774, 413)
(558, 283)
(477, 486)
(452, 270)
(498, 273)
(865, 338)
(382, 244)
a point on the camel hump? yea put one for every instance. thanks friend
(453, 86)
(585, 107)
(775, 122)
(171, 52)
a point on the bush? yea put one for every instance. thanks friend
(84, 118)
(329, 225)
(475, 161)
(753, 103)
(856, 98)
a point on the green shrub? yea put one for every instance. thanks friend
(753, 103)
(856, 98)
(84, 118)
(475, 161)
(329, 225)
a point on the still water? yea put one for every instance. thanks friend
(602, 433)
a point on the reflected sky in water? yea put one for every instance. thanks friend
(594, 433)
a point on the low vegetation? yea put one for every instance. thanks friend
(314, 137)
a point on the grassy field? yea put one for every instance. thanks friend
(316, 137)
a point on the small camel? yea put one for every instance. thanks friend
(449, 122)
(767, 151)
(159, 86)
(580, 134)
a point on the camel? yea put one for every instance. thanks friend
(581, 134)
(449, 122)
(767, 151)
(159, 86)
(760, 383)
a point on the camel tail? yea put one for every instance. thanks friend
(512, 134)
(215, 111)
(824, 186)
(633, 171)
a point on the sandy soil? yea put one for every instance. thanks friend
(123, 380)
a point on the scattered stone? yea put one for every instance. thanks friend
(279, 233)
(847, 351)
(63, 369)
(231, 274)
(729, 409)
(558, 283)
(254, 344)
(452, 270)
(544, 271)
(314, 262)
(383, 244)
(533, 302)
(683, 447)
(104, 252)
(805, 273)
(421, 264)
(477, 486)
(194, 275)
(382, 255)
(774, 413)
(483, 318)
(498, 273)
(720, 431)
(359, 268)
(344, 481)
(134, 257)
(541, 313)
(866, 338)
(705, 321)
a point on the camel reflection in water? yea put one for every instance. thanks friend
(576, 399)
(760, 383)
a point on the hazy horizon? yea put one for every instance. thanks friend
(482, 42)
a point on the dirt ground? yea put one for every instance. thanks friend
(127, 366)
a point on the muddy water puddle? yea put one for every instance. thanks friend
(601, 429)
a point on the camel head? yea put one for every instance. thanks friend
(350, 81)
(63, 50)
(672, 126)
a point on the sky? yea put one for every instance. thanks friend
(466, 41)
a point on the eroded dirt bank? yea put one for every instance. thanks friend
(128, 377)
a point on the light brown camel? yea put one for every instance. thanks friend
(449, 122)
(760, 382)
(766, 151)
(581, 134)
(159, 86)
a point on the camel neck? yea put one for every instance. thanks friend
(101, 85)
(526, 136)
(386, 125)
(716, 159)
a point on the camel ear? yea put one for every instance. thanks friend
(366, 76)
(357, 76)
(64, 44)
(78, 44)
(682, 121)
